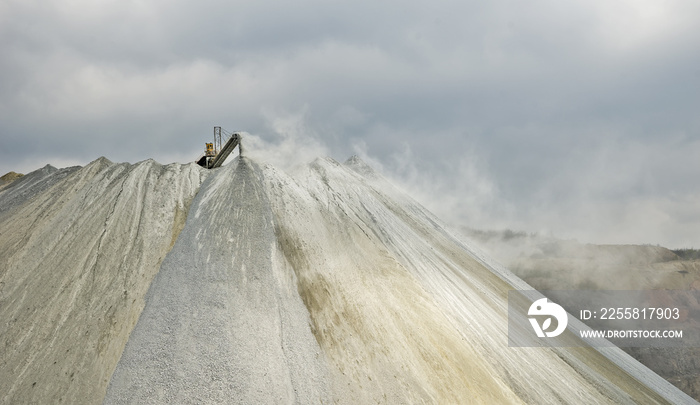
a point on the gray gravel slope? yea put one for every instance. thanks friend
(78, 249)
(222, 324)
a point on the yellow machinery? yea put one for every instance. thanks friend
(215, 153)
(209, 150)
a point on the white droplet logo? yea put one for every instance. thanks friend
(542, 307)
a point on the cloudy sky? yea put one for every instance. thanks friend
(579, 118)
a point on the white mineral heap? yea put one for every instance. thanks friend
(254, 286)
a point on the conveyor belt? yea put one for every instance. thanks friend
(225, 151)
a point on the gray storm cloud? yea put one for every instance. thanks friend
(578, 118)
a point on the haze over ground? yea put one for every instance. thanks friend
(578, 118)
